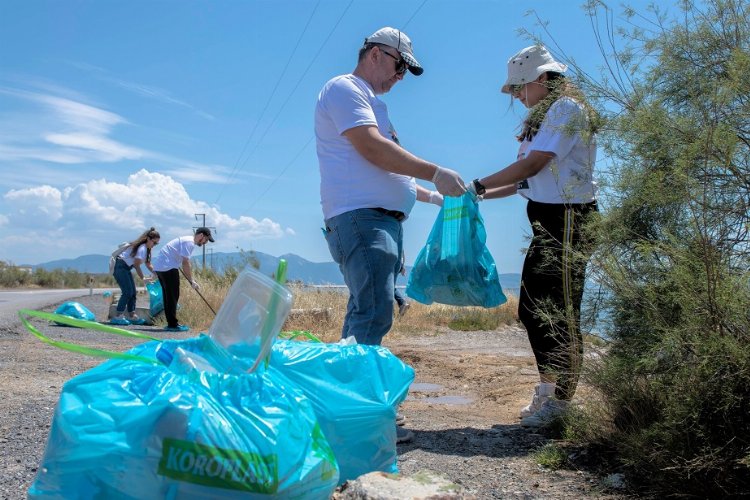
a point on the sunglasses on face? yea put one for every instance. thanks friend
(401, 65)
(515, 89)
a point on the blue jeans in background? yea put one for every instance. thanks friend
(124, 278)
(367, 246)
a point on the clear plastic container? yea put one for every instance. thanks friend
(253, 311)
(183, 362)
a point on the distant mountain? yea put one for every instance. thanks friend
(298, 268)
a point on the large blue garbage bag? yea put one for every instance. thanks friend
(155, 298)
(355, 391)
(128, 429)
(455, 267)
(75, 310)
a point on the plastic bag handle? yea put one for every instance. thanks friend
(291, 335)
(89, 351)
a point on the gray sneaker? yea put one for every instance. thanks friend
(400, 419)
(542, 393)
(551, 410)
(403, 435)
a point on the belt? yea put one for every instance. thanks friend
(399, 216)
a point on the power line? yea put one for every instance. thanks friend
(268, 101)
(283, 170)
(312, 61)
(415, 13)
(304, 73)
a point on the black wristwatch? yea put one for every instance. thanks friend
(478, 187)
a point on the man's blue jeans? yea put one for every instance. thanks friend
(367, 245)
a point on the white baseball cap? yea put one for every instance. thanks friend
(399, 41)
(528, 64)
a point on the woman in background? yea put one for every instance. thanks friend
(137, 253)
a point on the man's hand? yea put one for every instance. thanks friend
(448, 182)
(195, 285)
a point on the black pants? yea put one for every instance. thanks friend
(552, 283)
(170, 288)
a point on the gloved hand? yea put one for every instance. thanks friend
(195, 285)
(448, 182)
(470, 187)
(436, 198)
(148, 279)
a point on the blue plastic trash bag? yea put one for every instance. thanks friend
(75, 310)
(455, 267)
(155, 298)
(355, 391)
(129, 429)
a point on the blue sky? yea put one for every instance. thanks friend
(116, 116)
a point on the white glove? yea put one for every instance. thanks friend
(448, 182)
(195, 285)
(435, 198)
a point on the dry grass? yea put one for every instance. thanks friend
(419, 319)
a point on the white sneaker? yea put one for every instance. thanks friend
(542, 393)
(551, 410)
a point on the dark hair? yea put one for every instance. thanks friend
(149, 234)
(558, 86)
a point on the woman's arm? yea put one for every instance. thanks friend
(500, 192)
(517, 171)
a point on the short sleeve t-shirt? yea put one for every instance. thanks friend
(170, 256)
(568, 177)
(347, 180)
(139, 254)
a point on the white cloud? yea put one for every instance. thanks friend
(41, 206)
(65, 130)
(92, 216)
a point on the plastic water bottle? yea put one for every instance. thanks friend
(184, 362)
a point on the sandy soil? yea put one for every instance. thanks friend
(462, 408)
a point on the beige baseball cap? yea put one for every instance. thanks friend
(399, 41)
(528, 64)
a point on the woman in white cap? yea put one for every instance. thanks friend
(554, 172)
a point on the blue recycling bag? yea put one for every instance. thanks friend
(155, 298)
(139, 429)
(75, 310)
(455, 267)
(354, 390)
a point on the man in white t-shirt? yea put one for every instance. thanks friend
(173, 256)
(368, 183)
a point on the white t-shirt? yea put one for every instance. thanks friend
(568, 177)
(347, 180)
(139, 254)
(170, 256)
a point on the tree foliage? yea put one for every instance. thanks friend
(673, 254)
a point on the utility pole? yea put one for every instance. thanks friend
(213, 230)
(211, 259)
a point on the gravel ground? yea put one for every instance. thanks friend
(462, 408)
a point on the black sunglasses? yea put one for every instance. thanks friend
(516, 88)
(401, 65)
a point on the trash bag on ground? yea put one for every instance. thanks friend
(355, 391)
(135, 429)
(455, 267)
(75, 310)
(155, 298)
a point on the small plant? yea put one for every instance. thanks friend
(552, 456)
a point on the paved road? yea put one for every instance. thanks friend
(13, 300)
